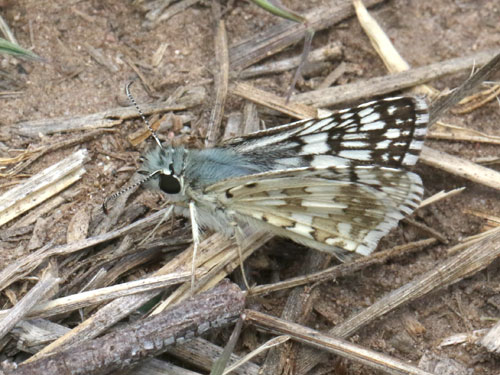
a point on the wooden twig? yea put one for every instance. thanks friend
(297, 309)
(221, 79)
(426, 229)
(460, 167)
(332, 344)
(464, 338)
(25, 265)
(25, 305)
(343, 269)
(284, 34)
(147, 338)
(116, 310)
(96, 296)
(202, 354)
(470, 261)
(273, 101)
(458, 133)
(30, 156)
(393, 82)
(42, 186)
(328, 52)
(441, 195)
(108, 118)
(393, 61)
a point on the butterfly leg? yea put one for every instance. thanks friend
(196, 241)
(239, 236)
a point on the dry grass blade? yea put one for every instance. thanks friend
(343, 268)
(273, 101)
(25, 265)
(458, 133)
(384, 47)
(328, 52)
(441, 195)
(96, 296)
(145, 338)
(462, 338)
(284, 34)
(266, 346)
(446, 102)
(225, 261)
(331, 344)
(116, 310)
(221, 80)
(109, 118)
(202, 354)
(476, 101)
(23, 307)
(42, 186)
(221, 363)
(460, 167)
(154, 366)
(476, 257)
(393, 82)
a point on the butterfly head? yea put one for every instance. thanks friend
(164, 166)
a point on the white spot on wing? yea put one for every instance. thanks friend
(416, 145)
(392, 133)
(365, 112)
(383, 144)
(391, 110)
(377, 125)
(312, 126)
(355, 144)
(410, 159)
(371, 118)
(346, 115)
(322, 161)
(356, 154)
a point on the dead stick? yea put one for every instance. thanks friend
(23, 307)
(221, 79)
(146, 338)
(284, 34)
(460, 167)
(343, 268)
(476, 257)
(331, 344)
(392, 82)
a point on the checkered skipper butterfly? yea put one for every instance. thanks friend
(337, 184)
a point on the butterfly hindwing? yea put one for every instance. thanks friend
(348, 208)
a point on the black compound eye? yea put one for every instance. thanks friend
(169, 184)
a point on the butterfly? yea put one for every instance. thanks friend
(336, 184)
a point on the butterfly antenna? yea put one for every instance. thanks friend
(132, 100)
(125, 189)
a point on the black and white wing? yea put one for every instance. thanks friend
(388, 132)
(327, 208)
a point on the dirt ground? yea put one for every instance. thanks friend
(73, 83)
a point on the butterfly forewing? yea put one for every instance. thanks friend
(348, 208)
(387, 132)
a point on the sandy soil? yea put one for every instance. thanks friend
(74, 83)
